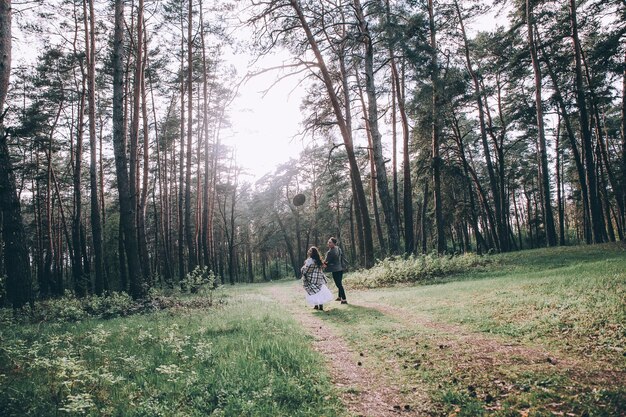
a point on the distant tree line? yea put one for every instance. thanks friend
(423, 134)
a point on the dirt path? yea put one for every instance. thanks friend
(369, 389)
(363, 391)
(489, 351)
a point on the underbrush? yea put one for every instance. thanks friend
(243, 359)
(415, 269)
(70, 308)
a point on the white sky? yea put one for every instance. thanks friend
(265, 123)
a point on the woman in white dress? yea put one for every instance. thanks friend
(314, 280)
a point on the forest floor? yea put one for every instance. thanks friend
(364, 390)
(441, 350)
(536, 333)
(378, 378)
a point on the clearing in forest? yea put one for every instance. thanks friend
(535, 333)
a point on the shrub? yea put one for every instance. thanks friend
(420, 268)
(114, 304)
(3, 288)
(200, 279)
(70, 308)
(66, 308)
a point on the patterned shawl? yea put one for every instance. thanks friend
(312, 277)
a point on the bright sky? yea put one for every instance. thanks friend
(265, 122)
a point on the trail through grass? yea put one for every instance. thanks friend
(535, 333)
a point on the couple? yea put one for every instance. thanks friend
(313, 277)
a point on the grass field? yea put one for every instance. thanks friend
(534, 333)
(242, 359)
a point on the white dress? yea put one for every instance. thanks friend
(314, 282)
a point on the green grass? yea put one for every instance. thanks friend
(574, 297)
(564, 307)
(533, 333)
(243, 359)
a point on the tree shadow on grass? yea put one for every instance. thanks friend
(355, 314)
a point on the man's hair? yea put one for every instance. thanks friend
(334, 240)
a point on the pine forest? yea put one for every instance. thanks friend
(428, 127)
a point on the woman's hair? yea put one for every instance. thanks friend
(334, 240)
(314, 253)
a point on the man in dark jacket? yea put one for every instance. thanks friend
(333, 265)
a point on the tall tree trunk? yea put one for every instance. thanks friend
(77, 261)
(424, 220)
(623, 131)
(50, 249)
(544, 174)
(363, 249)
(559, 196)
(136, 201)
(96, 225)
(373, 172)
(469, 173)
(372, 117)
(206, 259)
(483, 134)
(603, 160)
(181, 162)
(48, 274)
(407, 193)
(394, 153)
(189, 233)
(142, 202)
(580, 169)
(355, 174)
(436, 158)
(16, 261)
(79, 275)
(597, 219)
(127, 209)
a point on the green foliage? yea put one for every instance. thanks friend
(69, 308)
(243, 359)
(201, 279)
(114, 304)
(415, 269)
(3, 288)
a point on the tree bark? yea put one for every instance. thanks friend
(16, 261)
(501, 235)
(544, 174)
(355, 175)
(189, 233)
(597, 219)
(96, 224)
(559, 196)
(436, 158)
(142, 202)
(372, 117)
(580, 169)
(407, 187)
(205, 221)
(373, 172)
(623, 131)
(604, 160)
(127, 209)
(423, 219)
(181, 162)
